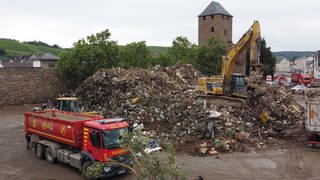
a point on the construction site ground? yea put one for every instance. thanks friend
(295, 161)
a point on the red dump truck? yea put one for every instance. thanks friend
(300, 78)
(77, 140)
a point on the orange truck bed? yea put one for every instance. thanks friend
(61, 126)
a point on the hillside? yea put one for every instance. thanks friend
(293, 54)
(13, 47)
(158, 49)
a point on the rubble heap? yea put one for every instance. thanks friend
(165, 101)
(245, 124)
(161, 98)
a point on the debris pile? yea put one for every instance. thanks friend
(161, 98)
(165, 101)
(246, 124)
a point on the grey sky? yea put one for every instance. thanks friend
(286, 24)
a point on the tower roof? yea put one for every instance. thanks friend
(215, 8)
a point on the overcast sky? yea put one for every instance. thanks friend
(286, 24)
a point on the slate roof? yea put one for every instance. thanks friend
(33, 58)
(13, 64)
(214, 8)
(49, 56)
(20, 61)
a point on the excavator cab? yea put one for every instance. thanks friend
(69, 104)
(238, 83)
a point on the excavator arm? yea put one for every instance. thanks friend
(228, 82)
(252, 37)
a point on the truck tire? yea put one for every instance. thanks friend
(84, 169)
(40, 151)
(49, 155)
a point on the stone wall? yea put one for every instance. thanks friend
(29, 85)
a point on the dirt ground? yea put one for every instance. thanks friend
(295, 162)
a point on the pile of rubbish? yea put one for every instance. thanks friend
(164, 101)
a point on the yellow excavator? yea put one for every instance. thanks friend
(229, 83)
(71, 104)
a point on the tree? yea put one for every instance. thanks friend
(2, 52)
(210, 57)
(87, 56)
(267, 59)
(136, 55)
(182, 50)
(163, 60)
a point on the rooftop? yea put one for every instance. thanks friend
(49, 56)
(214, 8)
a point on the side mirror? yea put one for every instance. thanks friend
(95, 138)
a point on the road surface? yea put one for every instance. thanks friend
(295, 162)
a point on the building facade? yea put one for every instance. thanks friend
(47, 61)
(214, 21)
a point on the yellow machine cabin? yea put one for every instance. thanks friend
(71, 104)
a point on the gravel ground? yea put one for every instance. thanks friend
(294, 162)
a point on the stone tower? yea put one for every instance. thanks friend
(215, 21)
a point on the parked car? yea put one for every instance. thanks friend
(298, 89)
(314, 84)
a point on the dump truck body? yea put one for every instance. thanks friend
(61, 126)
(77, 140)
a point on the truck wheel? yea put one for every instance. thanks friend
(39, 151)
(49, 155)
(85, 171)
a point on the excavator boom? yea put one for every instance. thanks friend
(228, 81)
(252, 38)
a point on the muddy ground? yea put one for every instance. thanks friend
(296, 161)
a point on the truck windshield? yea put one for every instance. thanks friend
(112, 138)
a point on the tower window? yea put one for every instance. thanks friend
(222, 16)
(227, 17)
(225, 32)
(212, 16)
(212, 29)
(204, 18)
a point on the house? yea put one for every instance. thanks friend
(21, 61)
(304, 65)
(284, 66)
(48, 61)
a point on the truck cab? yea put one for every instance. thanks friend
(101, 142)
(102, 139)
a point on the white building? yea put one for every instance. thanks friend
(304, 65)
(283, 66)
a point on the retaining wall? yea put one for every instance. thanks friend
(29, 85)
